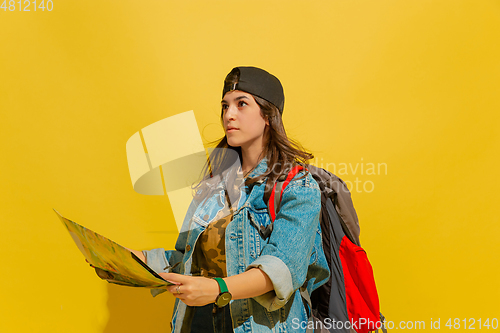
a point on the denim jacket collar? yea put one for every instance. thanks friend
(237, 173)
(259, 169)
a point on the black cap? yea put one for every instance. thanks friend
(257, 82)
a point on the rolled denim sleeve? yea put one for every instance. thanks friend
(157, 260)
(285, 258)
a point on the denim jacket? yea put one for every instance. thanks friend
(292, 256)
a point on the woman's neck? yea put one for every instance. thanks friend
(250, 159)
(252, 152)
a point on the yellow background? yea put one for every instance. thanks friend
(412, 84)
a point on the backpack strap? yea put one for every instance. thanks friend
(318, 326)
(274, 200)
(308, 305)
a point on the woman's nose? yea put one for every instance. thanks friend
(231, 112)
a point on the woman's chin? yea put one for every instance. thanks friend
(233, 143)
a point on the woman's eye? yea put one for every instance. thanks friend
(241, 103)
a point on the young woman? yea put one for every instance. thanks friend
(232, 271)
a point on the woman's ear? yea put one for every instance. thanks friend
(267, 120)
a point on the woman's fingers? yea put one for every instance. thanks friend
(105, 275)
(176, 290)
(89, 263)
(194, 291)
(174, 277)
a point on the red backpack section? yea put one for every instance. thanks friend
(361, 293)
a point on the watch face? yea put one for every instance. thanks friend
(223, 299)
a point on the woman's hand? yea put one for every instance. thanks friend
(192, 290)
(100, 272)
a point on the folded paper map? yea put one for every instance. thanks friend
(114, 262)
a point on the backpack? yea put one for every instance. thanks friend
(348, 301)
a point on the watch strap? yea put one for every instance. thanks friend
(222, 285)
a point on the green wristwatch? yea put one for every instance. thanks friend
(225, 296)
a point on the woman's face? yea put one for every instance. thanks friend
(242, 119)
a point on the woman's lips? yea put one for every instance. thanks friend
(232, 130)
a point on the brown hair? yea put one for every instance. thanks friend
(281, 152)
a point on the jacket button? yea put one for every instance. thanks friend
(188, 248)
(206, 217)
